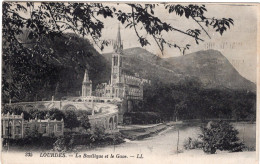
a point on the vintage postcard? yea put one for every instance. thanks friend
(107, 82)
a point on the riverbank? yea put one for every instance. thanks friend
(141, 132)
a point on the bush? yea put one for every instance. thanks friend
(98, 134)
(82, 116)
(98, 138)
(55, 113)
(220, 135)
(192, 144)
(115, 138)
(32, 143)
(60, 144)
(64, 143)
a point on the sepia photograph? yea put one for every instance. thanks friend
(129, 82)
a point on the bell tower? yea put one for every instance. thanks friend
(116, 68)
(86, 85)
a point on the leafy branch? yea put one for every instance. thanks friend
(27, 27)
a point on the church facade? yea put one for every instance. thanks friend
(122, 85)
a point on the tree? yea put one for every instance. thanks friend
(180, 109)
(56, 114)
(26, 25)
(194, 102)
(36, 113)
(220, 135)
(83, 119)
(70, 120)
(16, 111)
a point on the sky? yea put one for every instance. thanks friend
(238, 44)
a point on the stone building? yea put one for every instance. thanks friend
(128, 87)
(106, 118)
(14, 126)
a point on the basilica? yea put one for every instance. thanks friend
(123, 86)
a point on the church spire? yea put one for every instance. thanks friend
(118, 46)
(86, 78)
(86, 85)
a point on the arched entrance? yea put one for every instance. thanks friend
(70, 107)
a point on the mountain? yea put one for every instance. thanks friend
(210, 67)
(213, 70)
(72, 54)
(76, 54)
(59, 73)
(148, 65)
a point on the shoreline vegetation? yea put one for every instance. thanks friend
(79, 142)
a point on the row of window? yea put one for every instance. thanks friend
(134, 91)
(133, 81)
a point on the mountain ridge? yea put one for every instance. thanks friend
(64, 78)
(212, 63)
(211, 67)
